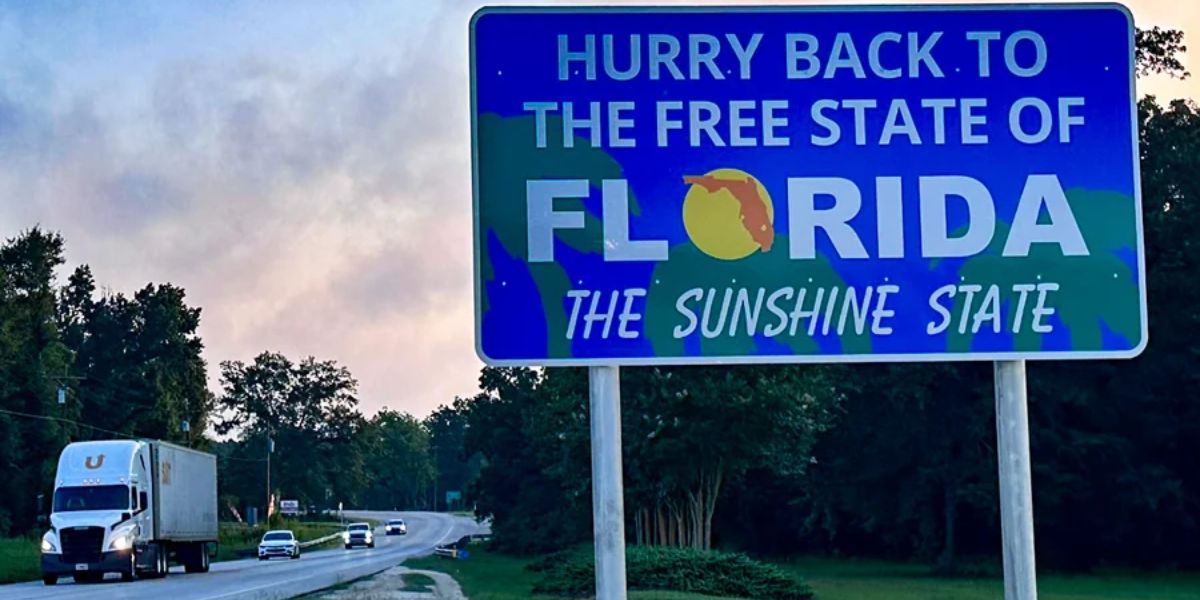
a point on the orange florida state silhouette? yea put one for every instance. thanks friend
(753, 209)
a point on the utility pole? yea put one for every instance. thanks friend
(64, 380)
(270, 449)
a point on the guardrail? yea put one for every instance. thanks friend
(321, 540)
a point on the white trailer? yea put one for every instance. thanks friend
(130, 507)
(185, 494)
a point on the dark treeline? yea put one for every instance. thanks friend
(131, 367)
(888, 460)
(325, 451)
(126, 366)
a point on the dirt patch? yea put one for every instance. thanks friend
(399, 583)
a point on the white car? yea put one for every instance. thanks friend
(396, 527)
(281, 543)
(358, 534)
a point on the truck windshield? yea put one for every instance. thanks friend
(96, 497)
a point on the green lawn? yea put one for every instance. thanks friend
(19, 559)
(490, 576)
(876, 580)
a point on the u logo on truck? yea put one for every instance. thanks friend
(99, 462)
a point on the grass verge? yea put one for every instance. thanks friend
(834, 579)
(416, 582)
(241, 541)
(491, 576)
(20, 559)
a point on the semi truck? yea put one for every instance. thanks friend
(130, 507)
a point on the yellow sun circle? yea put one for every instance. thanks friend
(713, 217)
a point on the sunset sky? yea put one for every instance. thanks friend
(302, 169)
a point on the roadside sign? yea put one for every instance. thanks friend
(289, 507)
(805, 184)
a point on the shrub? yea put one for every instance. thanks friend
(676, 569)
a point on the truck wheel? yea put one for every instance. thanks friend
(195, 559)
(130, 573)
(159, 568)
(164, 563)
(50, 579)
(347, 546)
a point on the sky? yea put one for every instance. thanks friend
(301, 168)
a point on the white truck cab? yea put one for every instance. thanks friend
(129, 507)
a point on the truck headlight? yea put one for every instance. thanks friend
(122, 540)
(48, 546)
(345, 537)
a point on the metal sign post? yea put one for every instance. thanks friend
(1016, 486)
(608, 489)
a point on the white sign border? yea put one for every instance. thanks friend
(783, 359)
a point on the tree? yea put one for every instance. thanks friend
(455, 468)
(522, 483)
(399, 459)
(138, 360)
(310, 412)
(688, 434)
(1158, 52)
(31, 357)
(691, 432)
(912, 450)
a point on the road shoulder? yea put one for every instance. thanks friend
(397, 583)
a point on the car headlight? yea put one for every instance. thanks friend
(48, 546)
(345, 537)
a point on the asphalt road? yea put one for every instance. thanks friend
(267, 580)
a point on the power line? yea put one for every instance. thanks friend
(117, 433)
(64, 420)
